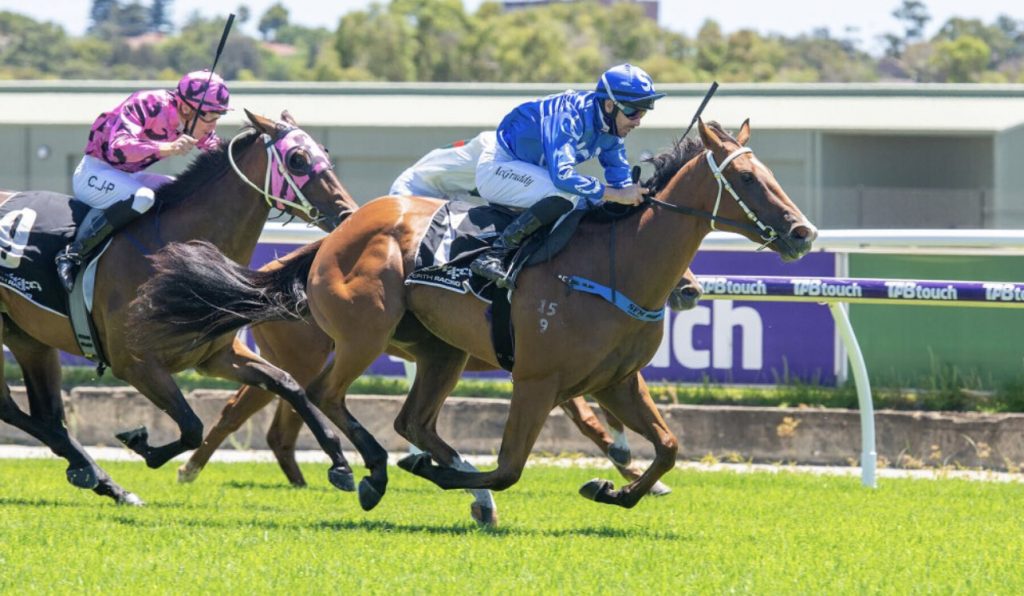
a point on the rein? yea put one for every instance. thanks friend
(302, 204)
(766, 232)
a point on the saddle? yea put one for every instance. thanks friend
(458, 232)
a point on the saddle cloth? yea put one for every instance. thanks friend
(460, 231)
(34, 227)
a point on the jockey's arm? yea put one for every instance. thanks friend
(127, 143)
(560, 134)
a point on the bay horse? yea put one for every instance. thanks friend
(302, 349)
(566, 343)
(208, 202)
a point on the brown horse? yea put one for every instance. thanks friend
(302, 349)
(566, 343)
(206, 202)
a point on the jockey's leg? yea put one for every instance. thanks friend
(96, 227)
(491, 264)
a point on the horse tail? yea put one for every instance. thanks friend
(197, 295)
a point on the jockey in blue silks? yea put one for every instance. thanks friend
(539, 143)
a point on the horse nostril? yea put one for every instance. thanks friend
(803, 231)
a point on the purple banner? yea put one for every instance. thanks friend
(741, 341)
(870, 291)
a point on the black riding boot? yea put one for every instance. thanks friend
(491, 264)
(96, 227)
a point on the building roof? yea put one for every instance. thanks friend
(867, 108)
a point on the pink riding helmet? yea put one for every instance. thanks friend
(193, 89)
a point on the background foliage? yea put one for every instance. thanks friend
(438, 40)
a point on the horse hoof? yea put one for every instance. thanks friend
(660, 489)
(187, 474)
(596, 489)
(414, 461)
(369, 495)
(84, 477)
(620, 456)
(484, 516)
(136, 439)
(130, 499)
(342, 479)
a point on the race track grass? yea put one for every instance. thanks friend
(241, 530)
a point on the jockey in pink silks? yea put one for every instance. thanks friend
(142, 130)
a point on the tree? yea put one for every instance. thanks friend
(961, 60)
(272, 20)
(132, 19)
(101, 13)
(160, 16)
(914, 16)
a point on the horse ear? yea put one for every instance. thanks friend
(287, 117)
(262, 124)
(707, 134)
(744, 134)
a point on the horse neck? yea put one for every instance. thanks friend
(666, 241)
(228, 213)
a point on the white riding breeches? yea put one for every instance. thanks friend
(504, 180)
(100, 185)
(446, 173)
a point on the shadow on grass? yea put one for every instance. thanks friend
(253, 485)
(458, 529)
(24, 502)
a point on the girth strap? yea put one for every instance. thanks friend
(617, 298)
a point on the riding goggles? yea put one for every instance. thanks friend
(209, 117)
(634, 110)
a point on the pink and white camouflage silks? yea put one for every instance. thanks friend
(129, 136)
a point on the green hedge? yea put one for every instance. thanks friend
(945, 389)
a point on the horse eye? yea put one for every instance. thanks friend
(748, 178)
(297, 162)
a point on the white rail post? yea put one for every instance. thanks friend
(868, 455)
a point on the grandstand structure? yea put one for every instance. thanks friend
(851, 155)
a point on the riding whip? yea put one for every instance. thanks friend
(220, 49)
(700, 109)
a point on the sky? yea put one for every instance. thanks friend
(868, 18)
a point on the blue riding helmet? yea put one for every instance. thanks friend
(629, 87)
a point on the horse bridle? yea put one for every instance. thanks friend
(766, 232)
(301, 204)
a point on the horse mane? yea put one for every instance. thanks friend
(667, 163)
(203, 169)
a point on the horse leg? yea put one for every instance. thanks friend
(620, 449)
(301, 349)
(242, 405)
(586, 420)
(157, 384)
(40, 366)
(630, 401)
(238, 363)
(438, 366)
(532, 400)
(282, 436)
(329, 390)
